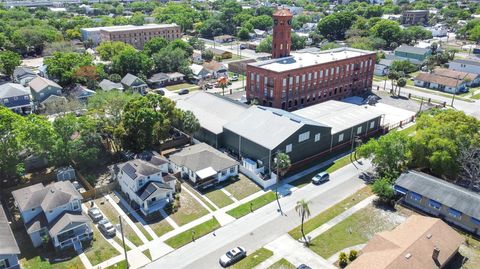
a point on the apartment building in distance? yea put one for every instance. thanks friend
(291, 81)
(137, 36)
(131, 34)
(414, 17)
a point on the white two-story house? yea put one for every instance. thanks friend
(203, 165)
(54, 212)
(146, 184)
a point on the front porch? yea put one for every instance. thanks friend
(73, 238)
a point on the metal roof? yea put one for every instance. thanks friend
(466, 61)
(212, 111)
(268, 127)
(446, 193)
(411, 49)
(8, 243)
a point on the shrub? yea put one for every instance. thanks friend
(343, 260)
(353, 255)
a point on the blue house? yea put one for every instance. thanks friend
(440, 198)
(8, 246)
(42, 88)
(15, 97)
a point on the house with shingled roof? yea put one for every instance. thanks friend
(146, 185)
(54, 212)
(8, 247)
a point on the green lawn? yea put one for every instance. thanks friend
(409, 130)
(160, 227)
(258, 202)
(120, 265)
(476, 96)
(253, 259)
(334, 166)
(242, 187)
(219, 198)
(177, 87)
(199, 196)
(132, 218)
(147, 253)
(320, 219)
(189, 210)
(101, 250)
(29, 257)
(354, 230)
(282, 264)
(119, 241)
(186, 237)
(112, 215)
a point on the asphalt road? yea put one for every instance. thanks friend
(264, 225)
(470, 108)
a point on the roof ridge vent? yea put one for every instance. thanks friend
(408, 256)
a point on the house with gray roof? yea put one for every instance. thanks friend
(108, 85)
(54, 211)
(8, 247)
(146, 185)
(134, 84)
(465, 65)
(42, 88)
(440, 198)
(23, 75)
(81, 93)
(203, 165)
(15, 97)
(413, 54)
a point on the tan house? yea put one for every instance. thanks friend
(137, 36)
(419, 242)
(221, 54)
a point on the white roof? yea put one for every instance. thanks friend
(205, 173)
(142, 27)
(338, 115)
(211, 111)
(304, 59)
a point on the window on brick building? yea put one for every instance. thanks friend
(321, 73)
(315, 75)
(309, 76)
(297, 79)
(284, 82)
(291, 81)
(303, 78)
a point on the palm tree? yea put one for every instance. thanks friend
(223, 83)
(401, 82)
(304, 212)
(281, 164)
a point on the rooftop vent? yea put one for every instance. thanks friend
(408, 255)
(276, 113)
(429, 236)
(295, 120)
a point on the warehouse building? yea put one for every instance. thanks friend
(291, 81)
(255, 134)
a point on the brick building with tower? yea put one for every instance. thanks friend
(291, 81)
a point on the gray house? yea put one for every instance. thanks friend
(413, 54)
(15, 97)
(23, 75)
(42, 88)
(54, 212)
(108, 85)
(442, 199)
(203, 165)
(133, 83)
(8, 246)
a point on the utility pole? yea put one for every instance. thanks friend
(455, 91)
(123, 241)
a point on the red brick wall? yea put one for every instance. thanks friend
(308, 92)
(281, 38)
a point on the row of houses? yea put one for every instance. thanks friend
(447, 80)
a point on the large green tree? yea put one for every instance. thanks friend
(131, 61)
(62, 66)
(390, 153)
(109, 49)
(335, 25)
(8, 61)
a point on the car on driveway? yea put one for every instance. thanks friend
(234, 78)
(232, 256)
(320, 178)
(183, 91)
(95, 214)
(106, 227)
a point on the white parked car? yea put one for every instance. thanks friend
(233, 256)
(106, 227)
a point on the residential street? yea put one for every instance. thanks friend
(470, 108)
(265, 225)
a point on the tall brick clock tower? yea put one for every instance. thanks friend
(282, 27)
